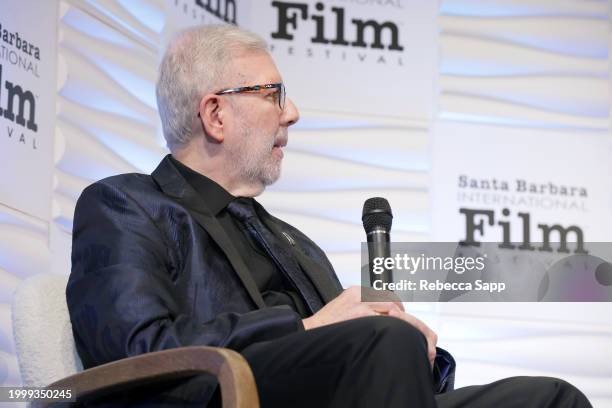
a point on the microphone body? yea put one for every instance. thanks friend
(379, 247)
(377, 219)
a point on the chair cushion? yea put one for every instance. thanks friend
(43, 333)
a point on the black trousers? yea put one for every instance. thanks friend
(372, 362)
(380, 362)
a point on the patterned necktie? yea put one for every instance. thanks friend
(244, 209)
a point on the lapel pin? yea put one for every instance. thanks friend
(289, 238)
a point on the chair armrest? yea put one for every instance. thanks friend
(238, 389)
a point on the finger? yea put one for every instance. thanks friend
(379, 311)
(388, 296)
(383, 307)
(395, 299)
(398, 306)
(432, 356)
(353, 295)
(363, 311)
(371, 295)
(430, 336)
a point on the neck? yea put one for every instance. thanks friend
(216, 168)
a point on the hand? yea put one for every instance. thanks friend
(430, 335)
(348, 305)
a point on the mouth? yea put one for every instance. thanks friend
(282, 142)
(277, 149)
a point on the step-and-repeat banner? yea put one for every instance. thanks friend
(533, 204)
(496, 183)
(339, 56)
(28, 37)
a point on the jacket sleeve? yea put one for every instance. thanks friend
(444, 371)
(121, 296)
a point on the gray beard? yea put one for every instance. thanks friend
(255, 166)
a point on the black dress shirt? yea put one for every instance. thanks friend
(274, 287)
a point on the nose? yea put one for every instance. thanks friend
(290, 114)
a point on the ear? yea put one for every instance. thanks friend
(211, 117)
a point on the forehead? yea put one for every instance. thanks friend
(252, 68)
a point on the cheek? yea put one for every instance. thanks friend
(268, 125)
(261, 120)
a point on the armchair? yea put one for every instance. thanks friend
(47, 354)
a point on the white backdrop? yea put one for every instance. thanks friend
(515, 68)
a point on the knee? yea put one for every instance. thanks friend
(387, 344)
(560, 391)
(394, 334)
(554, 384)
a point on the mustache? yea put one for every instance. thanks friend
(281, 139)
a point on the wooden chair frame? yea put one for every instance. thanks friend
(238, 388)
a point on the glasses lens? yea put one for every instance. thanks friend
(282, 94)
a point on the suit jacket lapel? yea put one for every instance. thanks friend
(320, 279)
(327, 289)
(174, 185)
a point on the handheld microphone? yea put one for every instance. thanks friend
(377, 219)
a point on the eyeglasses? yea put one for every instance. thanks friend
(279, 87)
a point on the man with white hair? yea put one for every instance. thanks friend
(187, 257)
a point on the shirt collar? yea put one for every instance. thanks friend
(216, 197)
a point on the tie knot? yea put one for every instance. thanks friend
(242, 208)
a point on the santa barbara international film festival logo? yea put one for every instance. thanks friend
(353, 35)
(208, 11)
(17, 103)
(339, 31)
(481, 197)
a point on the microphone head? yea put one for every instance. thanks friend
(376, 214)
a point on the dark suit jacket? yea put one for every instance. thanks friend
(152, 269)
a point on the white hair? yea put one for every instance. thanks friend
(191, 67)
